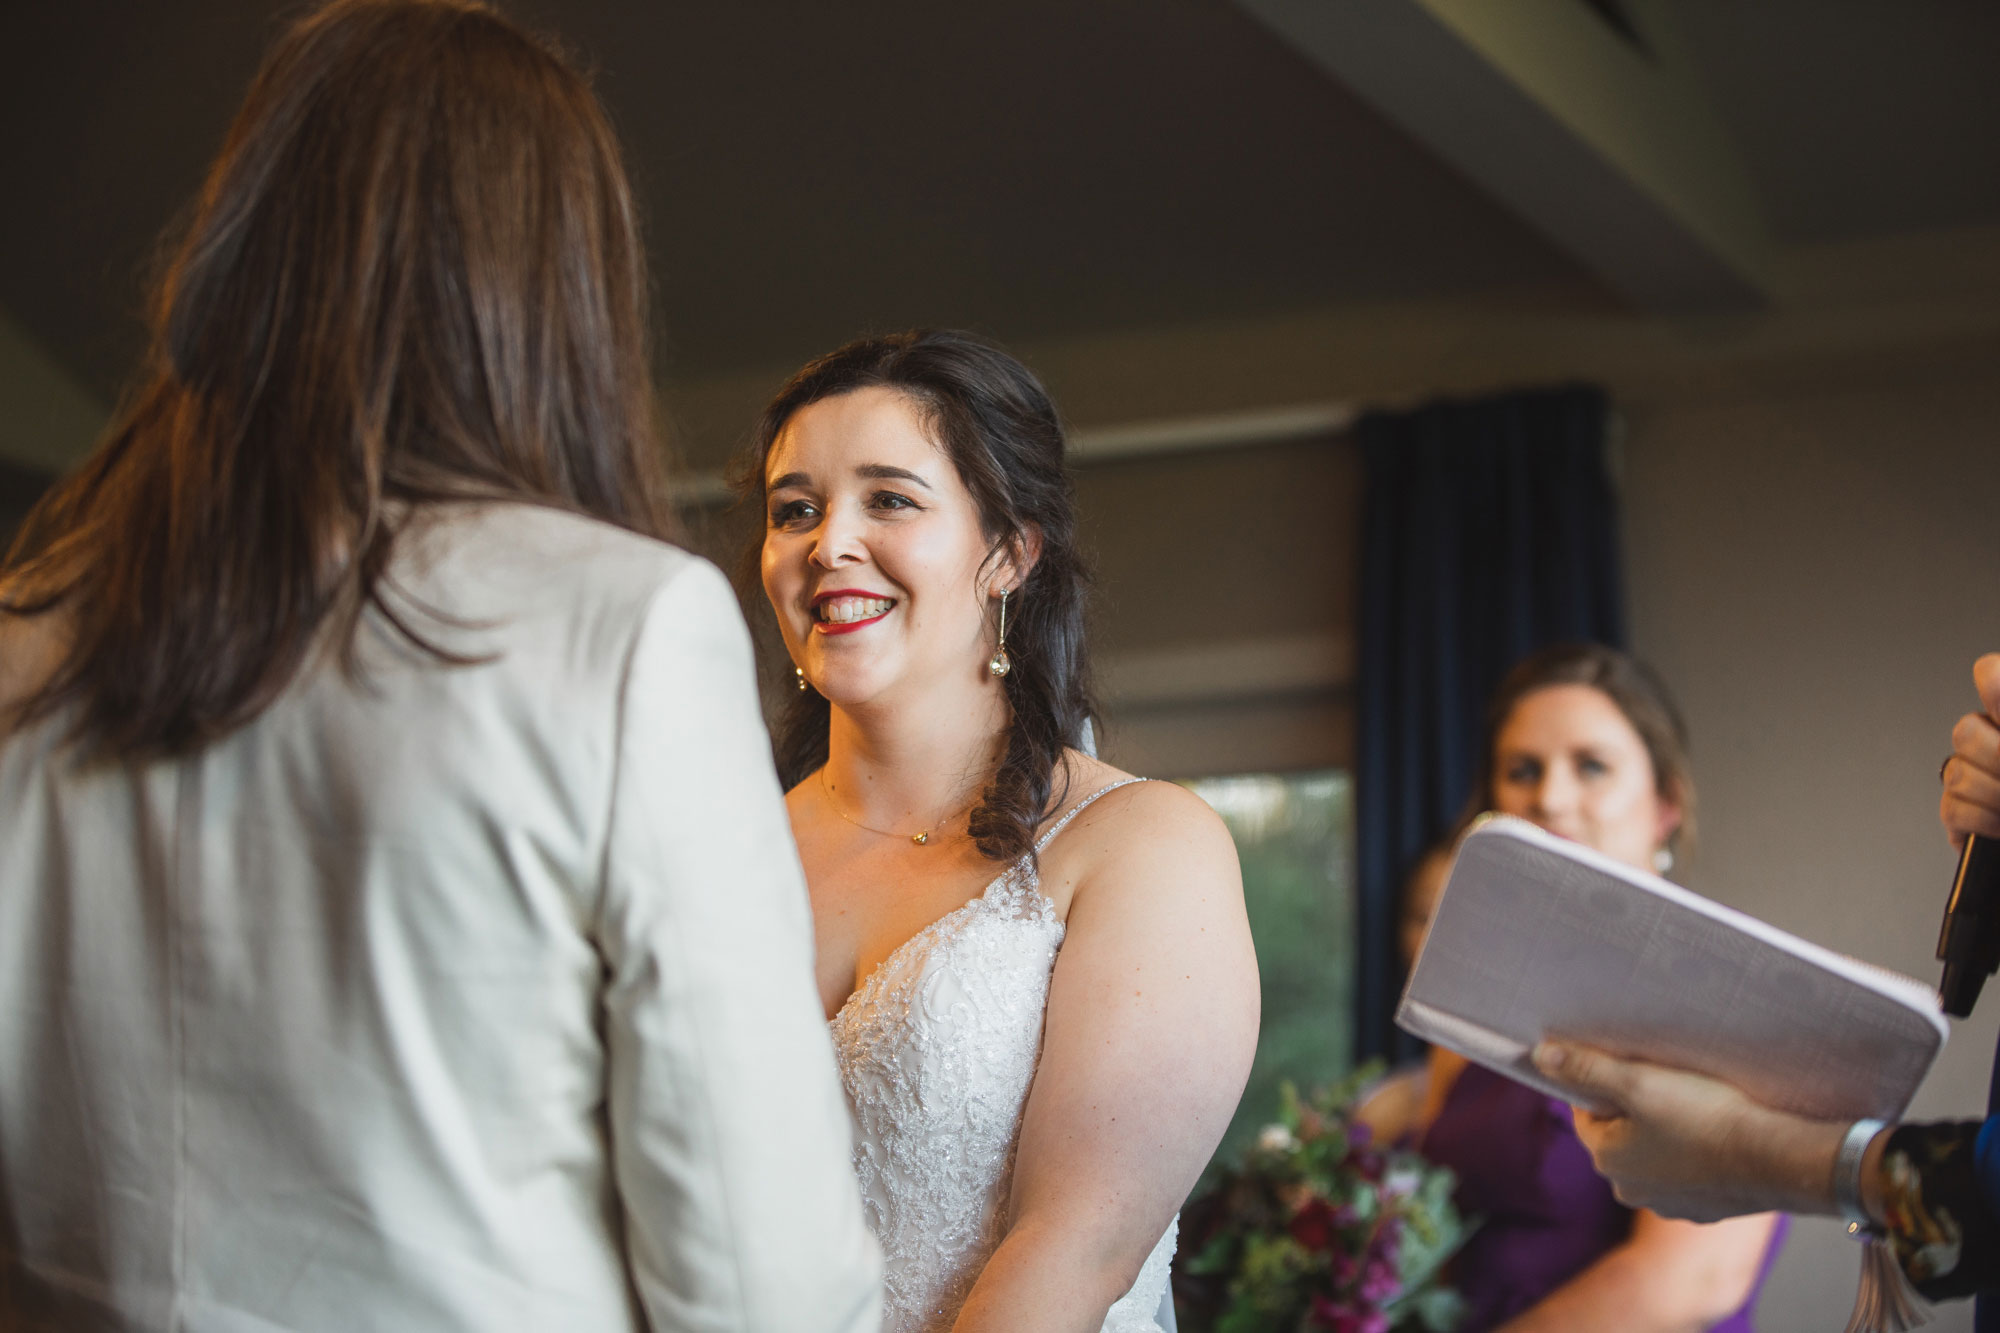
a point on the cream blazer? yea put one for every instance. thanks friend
(450, 998)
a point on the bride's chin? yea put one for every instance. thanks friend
(857, 689)
(847, 688)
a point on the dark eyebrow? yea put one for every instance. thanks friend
(883, 472)
(872, 471)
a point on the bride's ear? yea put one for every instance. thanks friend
(1015, 558)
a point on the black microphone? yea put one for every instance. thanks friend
(1969, 944)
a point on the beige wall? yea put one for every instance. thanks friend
(1814, 571)
(1226, 605)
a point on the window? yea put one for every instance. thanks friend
(1295, 837)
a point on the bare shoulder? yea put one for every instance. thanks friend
(1137, 808)
(1155, 837)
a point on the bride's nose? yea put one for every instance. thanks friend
(838, 541)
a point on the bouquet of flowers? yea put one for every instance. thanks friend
(1318, 1228)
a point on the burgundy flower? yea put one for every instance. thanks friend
(1314, 1225)
(1332, 1314)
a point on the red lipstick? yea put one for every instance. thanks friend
(833, 594)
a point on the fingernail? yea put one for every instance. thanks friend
(1549, 1057)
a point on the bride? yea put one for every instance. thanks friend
(1037, 968)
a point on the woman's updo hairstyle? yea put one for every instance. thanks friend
(1628, 683)
(993, 419)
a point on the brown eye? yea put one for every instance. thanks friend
(791, 513)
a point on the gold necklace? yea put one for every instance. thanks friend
(921, 838)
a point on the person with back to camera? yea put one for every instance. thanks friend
(1583, 741)
(399, 927)
(1695, 1147)
(1038, 969)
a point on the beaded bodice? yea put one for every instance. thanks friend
(937, 1050)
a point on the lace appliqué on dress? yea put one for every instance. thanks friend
(937, 1050)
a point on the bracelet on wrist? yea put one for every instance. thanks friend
(1847, 1173)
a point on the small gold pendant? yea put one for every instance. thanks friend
(921, 839)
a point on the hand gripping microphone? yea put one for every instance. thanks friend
(1969, 944)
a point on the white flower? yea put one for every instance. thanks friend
(1400, 1182)
(1276, 1138)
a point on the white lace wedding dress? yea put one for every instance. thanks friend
(937, 1049)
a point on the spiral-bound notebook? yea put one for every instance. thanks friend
(1535, 936)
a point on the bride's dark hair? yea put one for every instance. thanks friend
(995, 422)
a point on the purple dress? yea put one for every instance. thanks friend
(1547, 1214)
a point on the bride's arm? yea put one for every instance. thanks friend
(1152, 1022)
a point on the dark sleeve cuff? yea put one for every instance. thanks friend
(1939, 1191)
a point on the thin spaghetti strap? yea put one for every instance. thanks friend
(1078, 809)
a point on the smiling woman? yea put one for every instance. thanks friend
(872, 533)
(1041, 1039)
(936, 431)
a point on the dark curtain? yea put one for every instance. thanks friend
(1490, 529)
(1986, 1309)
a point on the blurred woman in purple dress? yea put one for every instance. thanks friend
(1585, 742)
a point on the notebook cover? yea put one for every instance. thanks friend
(1538, 936)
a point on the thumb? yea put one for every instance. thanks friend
(1604, 1081)
(1986, 679)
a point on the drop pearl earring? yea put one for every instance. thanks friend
(800, 672)
(1000, 664)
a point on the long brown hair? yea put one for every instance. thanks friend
(414, 274)
(995, 421)
(1639, 694)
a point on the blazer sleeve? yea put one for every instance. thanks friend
(730, 1136)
